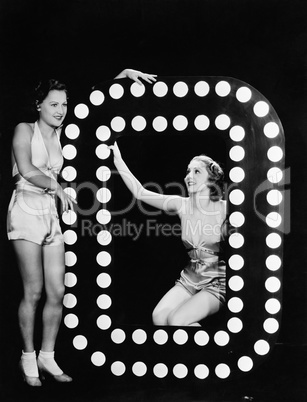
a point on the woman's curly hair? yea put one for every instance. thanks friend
(44, 87)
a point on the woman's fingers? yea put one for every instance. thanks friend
(68, 202)
(115, 149)
(72, 199)
(135, 75)
(149, 78)
(71, 205)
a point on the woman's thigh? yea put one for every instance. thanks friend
(172, 300)
(195, 309)
(29, 260)
(54, 269)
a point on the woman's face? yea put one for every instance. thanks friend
(53, 109)
(197, 176)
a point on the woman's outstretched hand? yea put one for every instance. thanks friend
(135, 75)
(116, 151)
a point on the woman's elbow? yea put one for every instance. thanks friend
(27, 172)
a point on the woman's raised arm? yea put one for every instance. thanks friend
(171, 203)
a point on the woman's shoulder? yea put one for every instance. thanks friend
(24, 128)
(23, 132)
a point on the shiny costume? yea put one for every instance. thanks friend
(202, 237)
(32, 213)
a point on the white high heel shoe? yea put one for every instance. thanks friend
(45, 371)
(32, 380)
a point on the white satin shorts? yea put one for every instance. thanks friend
(32, 216)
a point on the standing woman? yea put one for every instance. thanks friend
(33, 223)
(200, 289)
(33, 226)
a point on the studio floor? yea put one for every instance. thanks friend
(282, 378)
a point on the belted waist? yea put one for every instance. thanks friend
(20, 187)
(204, 249)
(199, 264)
(22, 184)
(209, 251)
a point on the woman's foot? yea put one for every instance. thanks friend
(29, 370)
(47, 365)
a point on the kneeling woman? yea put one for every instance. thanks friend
(200, 289)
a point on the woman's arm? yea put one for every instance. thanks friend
(21, 147)
(171, 203)
(135, 75)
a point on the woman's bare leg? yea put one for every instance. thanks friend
(54, 270)
(195, 309)
(169, 302)
(29, 259)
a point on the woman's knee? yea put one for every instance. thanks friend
(176, 319)
(56, 294)
(33, 294)
(159, 318)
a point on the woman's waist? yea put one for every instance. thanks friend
(22, 184)
(203, 255)
(24, 187)
(52, 173)
(202, 249)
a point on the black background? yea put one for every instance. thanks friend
(84, 42)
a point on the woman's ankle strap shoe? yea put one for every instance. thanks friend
(57, 377)
(32, 381)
